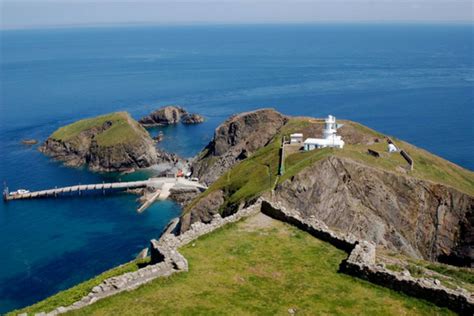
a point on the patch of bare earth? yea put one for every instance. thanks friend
(257, 223)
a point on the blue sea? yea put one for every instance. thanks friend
(415, 82)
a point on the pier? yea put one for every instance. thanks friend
(164, 184)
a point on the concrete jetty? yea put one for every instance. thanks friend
(162, 183)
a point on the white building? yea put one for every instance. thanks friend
(296, 138)
(392, 148)
(331, 139)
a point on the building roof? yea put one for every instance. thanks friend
(296, 135)
(323, 141)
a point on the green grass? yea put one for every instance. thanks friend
(427, 166)
(75, 293)
(249, 178)
(449, 276)
(263, 271)
(257, 174)
(463, 274)
(124, 129)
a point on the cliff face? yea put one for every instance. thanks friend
(420, 218)
(236, 139)
(113, 142)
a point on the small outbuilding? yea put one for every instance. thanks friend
(392, 148)
(296, 138)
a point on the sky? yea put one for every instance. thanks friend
(52, 13)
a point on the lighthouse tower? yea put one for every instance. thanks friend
(330, 127)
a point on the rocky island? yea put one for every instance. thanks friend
(112, 142)
(403, 220)
(170, 115)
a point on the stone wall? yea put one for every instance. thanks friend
(311, 225)
(407, 157)
(171, 241)
(361, 263)
(165, 260)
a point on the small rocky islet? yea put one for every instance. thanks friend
(170, 115)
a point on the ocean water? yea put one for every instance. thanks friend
(415, 82)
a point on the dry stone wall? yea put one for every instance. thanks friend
(361, 263)
(165, 257)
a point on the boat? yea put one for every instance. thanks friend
(20, 191)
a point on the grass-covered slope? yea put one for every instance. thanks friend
(111, 142)
(264, 267)
(75, 293)
(259, 173)
(427, 166)
(123, 129)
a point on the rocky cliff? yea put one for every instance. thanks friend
(420, 218)
(169, 115)
(113, 142)
(236, 139)
(425, 213)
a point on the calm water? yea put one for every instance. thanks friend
(413, 82)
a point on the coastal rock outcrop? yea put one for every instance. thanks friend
(29, 142)
(236, 139)
(112, 142)
(192, 118)
(419, 218)
(169, 115)
(203, 211)
(379, 199)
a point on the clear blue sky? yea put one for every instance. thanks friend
(47, 13)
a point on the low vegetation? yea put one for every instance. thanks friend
(449, 276)
(249, 178)
(75, 293)
(123, 129)
(264, 267)
(427, 166)
(259, 173)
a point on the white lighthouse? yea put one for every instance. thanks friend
(331, 139)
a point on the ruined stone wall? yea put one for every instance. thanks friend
(361, 263)
(165, 257)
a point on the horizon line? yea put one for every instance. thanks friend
(202, 23)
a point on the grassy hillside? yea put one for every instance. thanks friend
(263, 267)
(75, 293)
(427, 166)
(259, 173)
(123, 129)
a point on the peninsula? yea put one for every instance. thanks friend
(285, 229)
